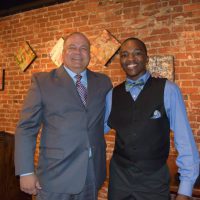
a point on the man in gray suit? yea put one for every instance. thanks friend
(70, 110)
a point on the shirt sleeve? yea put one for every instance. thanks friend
(31, 173)
(108, 110)
(188, 156)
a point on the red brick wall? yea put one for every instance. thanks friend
(168, 27)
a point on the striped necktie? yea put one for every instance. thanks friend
(81, 89)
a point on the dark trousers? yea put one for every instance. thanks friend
(132, 184)
(89, 191)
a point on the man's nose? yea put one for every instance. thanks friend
(77, 50)
(131, 56)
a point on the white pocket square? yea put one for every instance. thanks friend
(156, 114)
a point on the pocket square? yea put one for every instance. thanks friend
(156, 114)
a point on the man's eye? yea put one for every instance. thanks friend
(84, 48)
(138, 53)
(71, 48)
(123, 55)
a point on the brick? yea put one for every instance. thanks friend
(167, 27)
(183, 69)
(173, 2)
(160, 31)
(131, 4)
(184, 1)
(191, 7)
(178, 9)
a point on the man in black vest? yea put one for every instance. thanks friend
(142, 110)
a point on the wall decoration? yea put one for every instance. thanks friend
(104, 47)
(24, 56)
(162, 65)
(56, 52)
(2, 78)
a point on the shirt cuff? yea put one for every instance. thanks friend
(27, 174)
(106, 129)
(185, 188)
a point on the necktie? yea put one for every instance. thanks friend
(129, 85)
(81, 89)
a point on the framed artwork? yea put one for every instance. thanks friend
(162, 65)
(56, 52)
(104, 47)
(2, 79)
(24, 56)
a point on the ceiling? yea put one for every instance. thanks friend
(11, 3)
(10, 7)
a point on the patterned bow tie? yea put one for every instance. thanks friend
(129, 85)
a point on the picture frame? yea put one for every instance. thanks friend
(162, 65)
(2, 79)
(56, 52)
(24, 56)
(104, 47)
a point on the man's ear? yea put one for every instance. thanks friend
(62, 56)
(147, 60)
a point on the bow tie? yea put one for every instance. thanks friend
(129, 85)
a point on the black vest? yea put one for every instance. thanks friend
(140, 141)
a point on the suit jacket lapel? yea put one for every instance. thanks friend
(66, 81)
(92, 85)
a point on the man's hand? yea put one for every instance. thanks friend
(30, 184)
(182, 197)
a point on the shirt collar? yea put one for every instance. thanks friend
(144, 77)
(73, 74)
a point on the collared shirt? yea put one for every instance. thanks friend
(73, 74)
(188, 156)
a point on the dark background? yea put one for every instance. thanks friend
(10, 7)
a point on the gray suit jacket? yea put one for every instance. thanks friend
(68, 131)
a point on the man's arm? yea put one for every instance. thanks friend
(182, 197)
(108, 110)
(188, 156)
(25, 138)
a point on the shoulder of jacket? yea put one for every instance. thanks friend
(158, 79)
(44, 74)
(120, 85)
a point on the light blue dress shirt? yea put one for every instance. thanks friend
(83, 74)
(188, 156)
